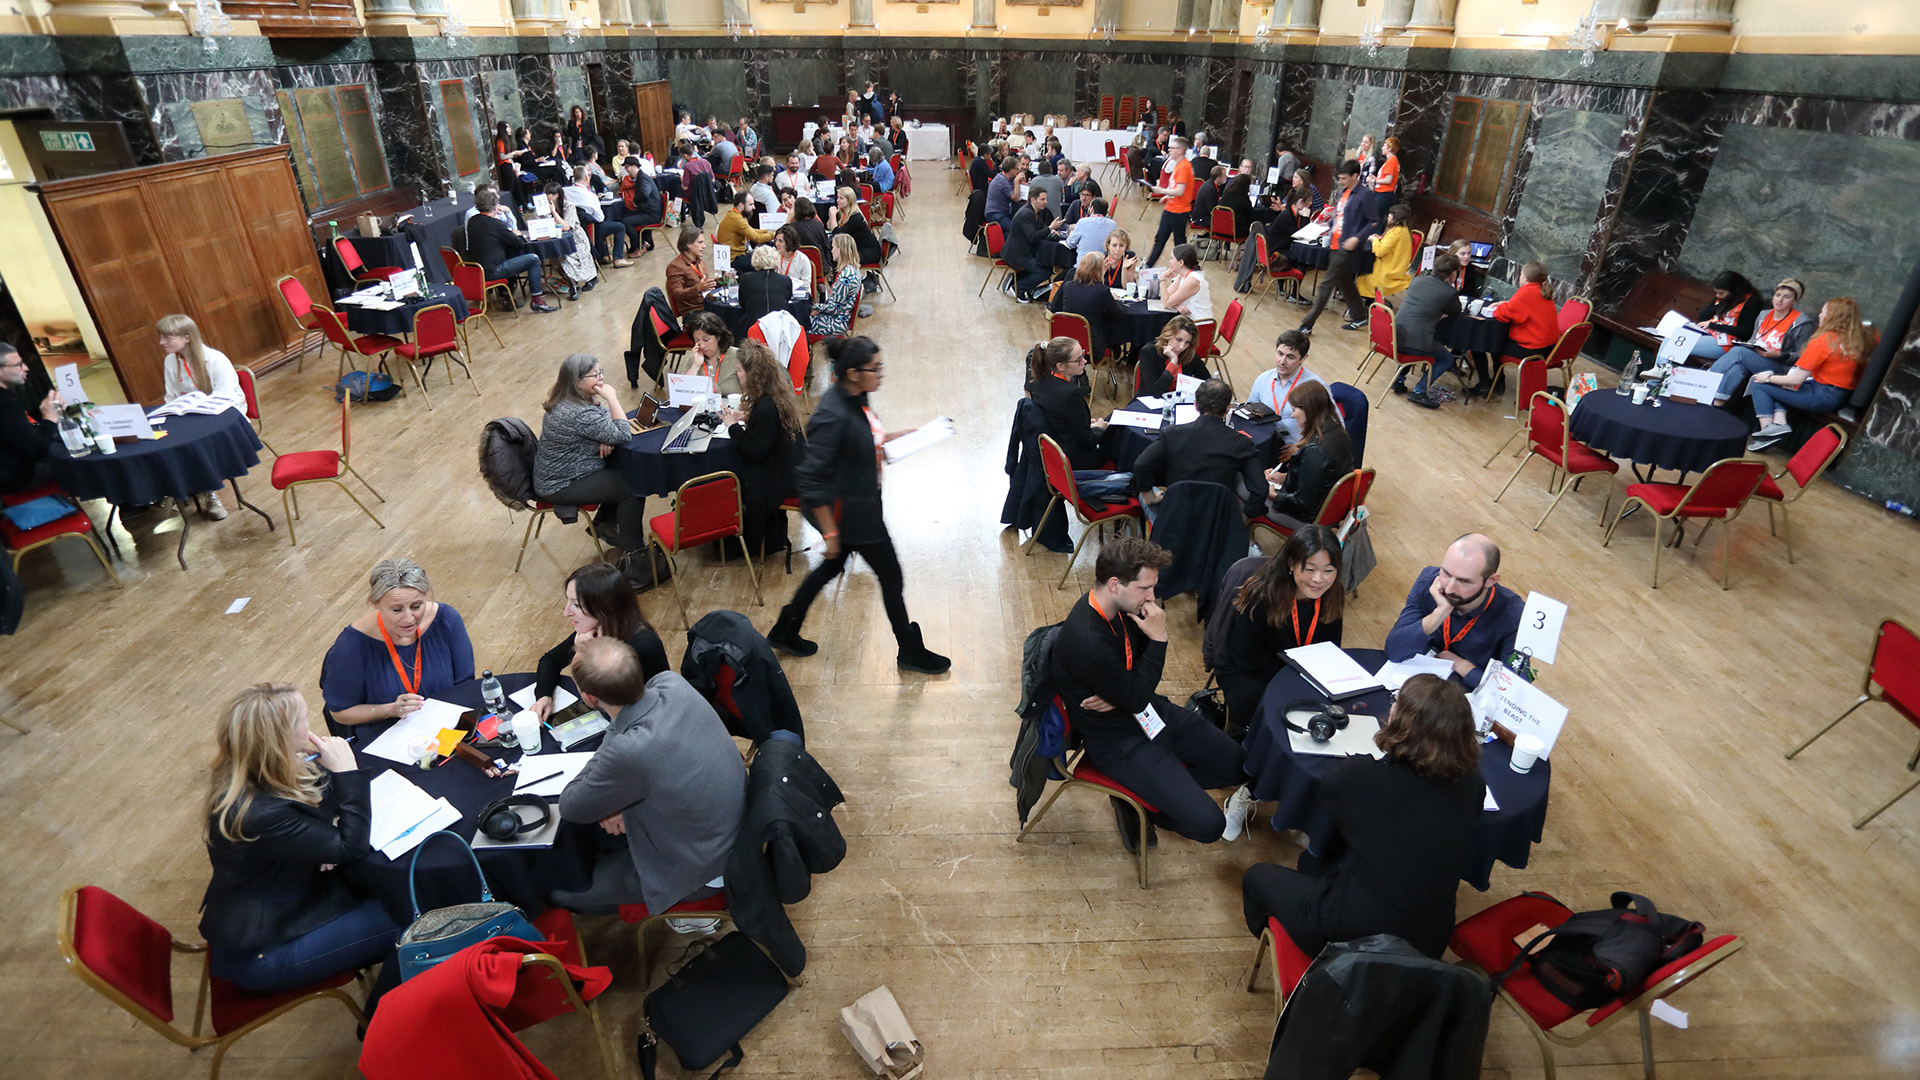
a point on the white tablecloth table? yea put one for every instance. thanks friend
(1083, 144)
(929, 142)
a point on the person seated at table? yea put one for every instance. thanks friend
(1392, 258)
(552, 166)
(1088, 233)
(1274, 387)
(1207, 197)
(191, 365)
(583, 425)
(1053, 179)
(794, 176)
(1022, 250)
(27, 430)
(288, 812)
(813, 231)
(1779, 335)
(600, 604)
(764, 196)
(1416, 326)
(512, 164)
(1119, 266)
(1305, 198)
(578, 264)
(881, 171)
(686, 130)
(1078, 205)
(1458, 611)
(1107, 661)
(826, 165)
(984, 166)
(834, 312)
(1293, 599)
(713, 350)
(852, 222)
(1533, 324)
(1087, 296)
(791, 261)
(736, 233)
(724, 151)
(687, 279)
(1003, 193)
(640, 199)
(764, 287)
(1822, 378)
(1319, 460)
(406, 648)
(697, 180)
(1206, 450)
(1402, 833)
(609, 237)
(1184, 286)
(1171, 355)
(767, 430)
(666, 776)
(502, 251)
(1728, 317)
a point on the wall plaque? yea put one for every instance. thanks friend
(223, 125)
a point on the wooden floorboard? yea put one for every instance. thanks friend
(1041, 959)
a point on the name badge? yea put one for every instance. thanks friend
(1150, 721)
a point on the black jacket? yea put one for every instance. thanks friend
(644, 350)
(1376, 1003)
(270, 889)
(491, 243)
(1068, 420)
(1027, 492)
(1156, 377)
(1251, 645)
(25, 441)
(1315, 469)
(1238, 198)
(813, 234)
(644, 642)
(787, 835)
(1360, 221)
(840, 470)
(1741, 311)
(1200, 524)
(863, 238)
(762, 291)
(760, 692)
(980, 172)
(1096, 303)
(1206, 450)
(1024, 234)
(1089, 657)
(1203, 203)
(766, 455)
(975, 218)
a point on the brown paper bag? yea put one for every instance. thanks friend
(369, 225)
(881, 1035)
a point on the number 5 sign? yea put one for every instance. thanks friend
(1540, 622)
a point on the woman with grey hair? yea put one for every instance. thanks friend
(406, 647)
(585, 422)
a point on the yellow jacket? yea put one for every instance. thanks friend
(736, 233)
(1392, 259)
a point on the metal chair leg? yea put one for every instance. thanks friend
(1835, 722)
(1646, 1041)
(751, 575)
(527, 538)
(1028, 549)
(1904, 792)
(1786, 526)
(1726, 554)
(1070, 559)
(1516, 474)
(1656, 551)
(286, 508)
(363, 480)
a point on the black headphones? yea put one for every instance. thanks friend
(502, 822)
(1327, 719)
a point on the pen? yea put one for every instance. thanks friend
(543, 779)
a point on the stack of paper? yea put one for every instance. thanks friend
(199, 404)
(1311, 232)
(1129, 418)
(403, 815)
(523, 697)
(547, 774)
(1329, 670)
(939, 429)
(427, 720)
(1394, 673)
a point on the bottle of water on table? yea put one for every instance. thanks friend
(496, 700)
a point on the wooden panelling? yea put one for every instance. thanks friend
(298, 18)
(206, 237)
(654, 103)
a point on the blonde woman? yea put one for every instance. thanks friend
(192, 365)
(287, 810)
(831, 315)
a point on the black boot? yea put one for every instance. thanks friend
(915, 656)
(1128, 823)
(785, 635)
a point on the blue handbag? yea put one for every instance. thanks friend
(436, 936)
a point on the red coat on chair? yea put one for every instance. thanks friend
(456, 1021)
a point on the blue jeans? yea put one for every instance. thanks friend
(1442, 363)
(528, 264)
(1707, 348)
(1094, 485)
(357, 939)
(1809, 396)
(1738, 367)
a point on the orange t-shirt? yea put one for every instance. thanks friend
(1824, 363)
(1389, 175)
(1181, 173)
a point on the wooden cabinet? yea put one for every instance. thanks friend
(207, 237)
(298, 18)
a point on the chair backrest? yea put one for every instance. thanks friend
(1220, 226)
(1112, 154)
(1820, 451)
(1567, 349)
(737, 166)
(1203, 338)
(452, 260)
(1230, 322)
(659, 325)
(866, 193)
(1067, 324)
(1059, 473)
(1349, 492)
(1533, 380)
(245, 375)
(1725, 485)
(819, 263)
(1380, 331)
(1419, 243)
(1260, 257)
(332, 327)
(1895, 668)
(1574, 312)
(121, 953)
(996, 239)
(1546, 420)
(1125, 117)
(471, 280)
(706, 508)
(349, 256)
(435, 326)
(295, 294)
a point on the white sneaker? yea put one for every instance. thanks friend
(700, 927)
(213, 510)
(1239, 809)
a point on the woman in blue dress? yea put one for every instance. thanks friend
(406, 648)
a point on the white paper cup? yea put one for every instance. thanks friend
(733, 401)
(1526, 750)
(526, 730)
(1640, 392)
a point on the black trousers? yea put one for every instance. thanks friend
(1171, 224)
(886, 567)
(1030, 275)
(1270, 890)
(610, 239)
(1174, 771)
(1339, 277)
(1243, 691)
(614, 495)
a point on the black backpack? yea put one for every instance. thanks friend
(1600, 956)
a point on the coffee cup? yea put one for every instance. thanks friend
(1640, 391)
(526, 731)
(1527, 749)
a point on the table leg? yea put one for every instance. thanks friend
(242, 500)
(181, 551)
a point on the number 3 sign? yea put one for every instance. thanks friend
(1540, 622)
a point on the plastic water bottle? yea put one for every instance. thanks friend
(496, 702)
(1626, 377)
(1166, 411)
(70, 434)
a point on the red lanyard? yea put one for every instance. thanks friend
(186, 372)
(879, 437)
(1124, 637)
(1279, 397)
(1312, 627)
(394, 654)
(1448, 637)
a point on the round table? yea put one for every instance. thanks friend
(1317, 256)
(399, 320)
(1678, 435)
(522, 876)
(929, 142)
(1461, 332)
(726, 304)
(1293, 780)
(1128, 443)
(654, 473)
(551, 250)
(198, 454)
(1142, 324)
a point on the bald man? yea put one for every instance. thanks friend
(1458, 611)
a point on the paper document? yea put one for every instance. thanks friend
(546, 774)
(523, 697)
(1488, 804)
(427, 720)
(199, 404)
(1670, 322)
(1693, 384)
(1185, 414)
(1311, 232)
(771, 222)
(1518, 705)
(1273, 175)
(1328, 667)
(1129, 418)
(123, 421)
(403, 815)
(1184, 386)
(1394, 673)
(939, 429)
(1353, 740)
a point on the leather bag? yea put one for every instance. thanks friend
(709, 1005)
(434, 937)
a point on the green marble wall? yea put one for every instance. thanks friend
(710, 87)
(1329, 120)
(801, 81)
(928, 82)
(1040, 87)
(1573, 152)
(1372, 110)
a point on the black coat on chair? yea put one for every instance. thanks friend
(1377, 1003)
(1027, 492)
(760, 691)
(787, 835)
(1200, 522)
(761, 291)
(767, 455)
(1096, 304)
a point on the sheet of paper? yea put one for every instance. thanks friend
(1150, 721)
(1185, 414)
(1488, 804)
(1185, 386)
(1670, 322)
(66, 379)
(722, 258)
(234, 608)
(1394, 673)
(1663, 1011)
(546, 774)
(121, 421)
(1693, 384)
(772, 221)
(523, 697)
(400, 809)
(1517, 705)
(1273, 175)
(1129, 418)
(428, 719)
(1311, 232)
(444, 814)
(939, 429)
(1354, 739)
(1540, 624)
(688, 390)
(1330, 666)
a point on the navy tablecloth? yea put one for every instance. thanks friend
(1293, 780)
(400, 320)
(522, 876)
(654, 473)
(1464, 333)
(1677, 435)
(199, 453)
(1141, 325)
(1128, 443)
(800, 307)
(557, 248)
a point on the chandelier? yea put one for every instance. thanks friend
(1588, 37)
(1371, 38)
(1263, 33)
(453, 26)
(208, 21)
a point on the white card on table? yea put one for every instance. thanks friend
(1150, 721)
(1517, 705)
(1129, 418)
(66, 379)
(1184, 386)
(688, 390)
(123, 421)
(523, 697)
(1273, 175)
(772, 221)
(1539, 635)
(1693, 384)
(1185, 414)
(1676, 347)
(722, 258)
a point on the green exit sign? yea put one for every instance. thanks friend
(73, 141)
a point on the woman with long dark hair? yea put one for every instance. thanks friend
(579, 132)
(839, 482)
(1728, 318)
(1294, 599)
(600, 603)
(1171, 355)
(764, 429)
(510, 162)
(1323, 455)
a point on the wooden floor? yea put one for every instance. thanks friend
(1042, 959)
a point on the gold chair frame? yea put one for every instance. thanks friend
(1869, 691)
(1559, 475)
(290, 501)
(1140, 811)
(1139, 517)
(1788, 497)
(740, 537)
(1726, 546)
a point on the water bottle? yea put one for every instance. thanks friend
(70, 434)
(496, 702)
(333, 228)
(1166, 411)
(1626, 377)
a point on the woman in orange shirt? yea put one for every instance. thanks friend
(1534, 324)
(1822, 378)
(1386, 179)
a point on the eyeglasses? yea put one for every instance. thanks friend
(13, 363)
(877, 369)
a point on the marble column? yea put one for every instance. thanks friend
(1431, 17)
(1226, 16)
(1304, 15)
(430, 9)
(859, 12)
(387, 13)
(615, 13)
(1394, 15)
(1692, 17)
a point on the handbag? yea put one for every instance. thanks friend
(434, 937)
(709, 1005)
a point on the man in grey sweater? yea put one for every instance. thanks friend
(667, 777)
(1429, 299)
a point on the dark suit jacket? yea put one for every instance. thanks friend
(762, 291)
(491, 243)
(1096, 303)
(1428, 300)
(1024, 235)
(270, 889)
(1157, 377)
(25, 440)
(839, 470)
(980, 172)
(1207, 450)
(1069, 421)
(863, 238)
(1361, 219)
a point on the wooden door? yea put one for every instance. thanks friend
(654, 103)
(117, 251)
(208, 248)
(276, 228)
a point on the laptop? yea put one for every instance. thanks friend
(686, 438)
(1481, 252)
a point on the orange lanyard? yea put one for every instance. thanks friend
(1278, 397)
(879, 437)
(1312, 627)
(1448, 637)
(186, 372)
(394, 654)
(1125, 639)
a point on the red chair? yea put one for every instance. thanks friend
(1485, 941)
(1571, 459)
(1067, 324)
(1383, 343)
(358, 270)
(451, 259)
(737, 168)
(349, 345)
(1350, 492)
(300, 306)
(1083, 774)
(1116, 163)
(245, 375)
(853, 317)
(1533, 380)
(128, 959)
(705, 509)
(1806, 465)
(1561, 357)
(319, 466)
(1229, 329)
(1720, 494)
(713, 907)
(677, 343)
(1263, 265)
(996, 240)
(797, 360)
(1220, 230)
(819, 263)
(1289, 963)
(435, 333)
(1893, 676)
(471, 279)
(1572, 313)
(1125, 116)
(20, 541)
(1060, 482)
(879, 269)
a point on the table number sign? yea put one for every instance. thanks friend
(1540, 623)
